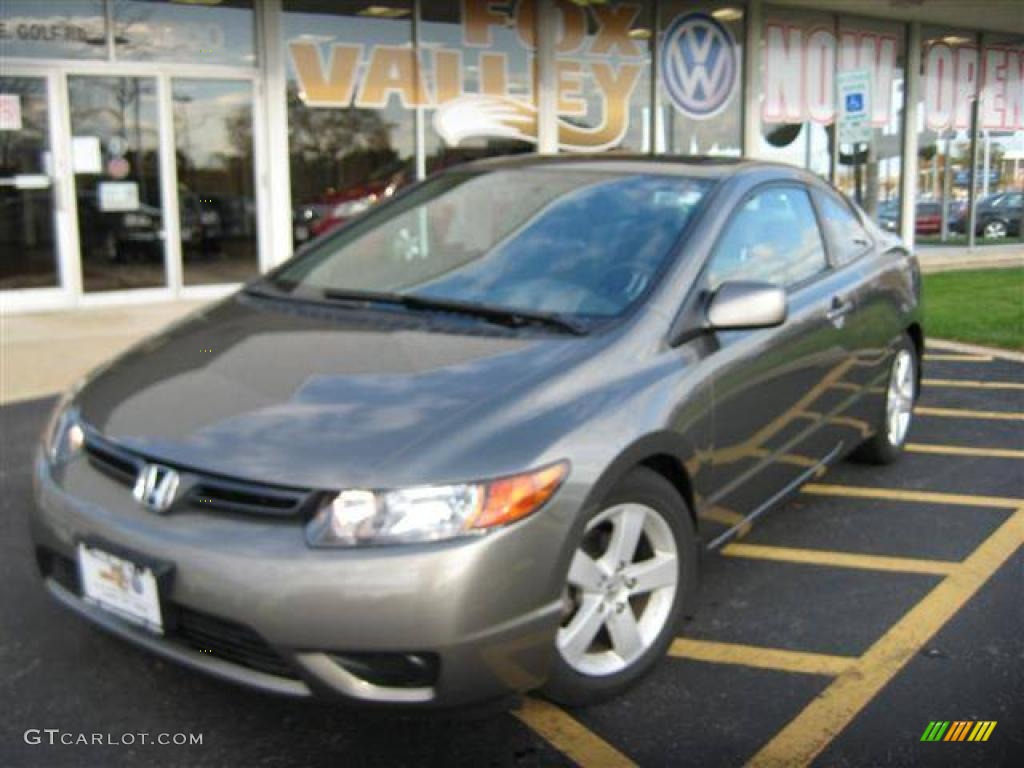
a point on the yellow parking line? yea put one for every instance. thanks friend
(568, 736)
(810, 732)
(839, 559)
(761, 658)
(951, 358)
(964, 450)
(957, 413)
(924, 497)
(967, 384)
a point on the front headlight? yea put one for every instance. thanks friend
(431, 513)
(64, 437)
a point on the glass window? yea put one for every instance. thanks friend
(63, 29)
(798, 60)
(492, 239)
(845, 232)
(114, 142)
(476, 58)
(700, 98)
(26, 188)
(807, 56)
(216, 199)
(197, 33)
(868, 169)
(949, 73)
(772, 238)
(602, 76)
(1000, 162)
(352, 89)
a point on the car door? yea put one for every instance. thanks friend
(768, 383)
(865, 325)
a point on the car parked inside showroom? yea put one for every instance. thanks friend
(475, 442)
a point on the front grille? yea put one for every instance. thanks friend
(112, 460)
(202, 491)
(246, 498)
(199, 631)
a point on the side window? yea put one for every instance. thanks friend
(772, 238)
(848, 238)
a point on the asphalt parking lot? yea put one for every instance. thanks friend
(841, 625)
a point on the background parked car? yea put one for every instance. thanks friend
(997, 216)
(927, 218)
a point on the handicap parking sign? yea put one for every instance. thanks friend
(853, 103)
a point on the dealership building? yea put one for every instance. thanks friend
(153, 149)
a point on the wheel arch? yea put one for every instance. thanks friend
(666, 454)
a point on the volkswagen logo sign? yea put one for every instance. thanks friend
(156, 487)
(699, 65)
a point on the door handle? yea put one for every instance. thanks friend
(839, 309)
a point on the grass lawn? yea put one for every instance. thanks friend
(984, 306)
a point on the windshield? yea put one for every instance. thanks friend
(540, 240)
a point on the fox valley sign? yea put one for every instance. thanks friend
(599, 66)
(366, 77)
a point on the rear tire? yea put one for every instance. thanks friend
(896, 414)
(634, 568)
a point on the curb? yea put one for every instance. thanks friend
(935, 263)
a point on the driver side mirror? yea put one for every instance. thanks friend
(742, 305)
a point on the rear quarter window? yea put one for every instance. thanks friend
(847, 236)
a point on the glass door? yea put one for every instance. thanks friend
(214, 163)
(28, 228)
(115, 161)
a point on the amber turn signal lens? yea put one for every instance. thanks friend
(513, 498)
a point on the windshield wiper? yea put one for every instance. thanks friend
(515, 318)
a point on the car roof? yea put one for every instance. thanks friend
(702, 166)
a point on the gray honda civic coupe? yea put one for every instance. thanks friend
(475, 442)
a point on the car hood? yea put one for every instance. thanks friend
(313, 397)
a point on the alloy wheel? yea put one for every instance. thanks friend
(995, 229)
(621, 587)
(899, 403)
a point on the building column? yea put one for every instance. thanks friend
(275, 181)
(546, 26)
(418, 117)
(751, 74)
(908, 148)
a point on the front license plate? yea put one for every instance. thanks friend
(121, 587)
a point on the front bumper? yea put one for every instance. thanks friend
(486, 608)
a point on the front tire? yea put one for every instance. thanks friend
(893, 425)
(995, 230)
(633, 571)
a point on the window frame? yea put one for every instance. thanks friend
(829, 265)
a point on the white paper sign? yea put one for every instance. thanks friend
(10, 112)
(117, 196)
(853, 97)
(85, 154)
